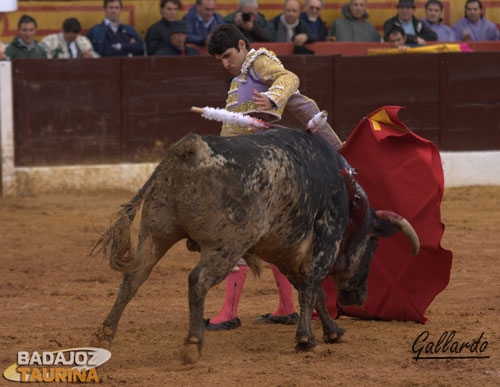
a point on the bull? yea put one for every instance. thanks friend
(284, 196)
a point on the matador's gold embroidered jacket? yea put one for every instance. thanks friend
(263, 71)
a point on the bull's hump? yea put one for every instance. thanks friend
(193, 148)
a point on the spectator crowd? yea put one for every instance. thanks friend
(298, 24)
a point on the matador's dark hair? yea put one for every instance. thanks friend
(226, 36)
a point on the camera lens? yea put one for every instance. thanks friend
(245, 17)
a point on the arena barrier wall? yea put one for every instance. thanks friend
(460, 169)
(72, 123)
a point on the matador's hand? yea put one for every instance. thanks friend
(261, 100)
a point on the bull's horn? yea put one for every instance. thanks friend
(405, 227)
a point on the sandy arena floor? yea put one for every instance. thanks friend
(53, 296)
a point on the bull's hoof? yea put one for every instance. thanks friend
(335, 337)
(305, 345)
(191, 352)
(96, 343)
(102, 338)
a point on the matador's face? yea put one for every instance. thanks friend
(232, 59)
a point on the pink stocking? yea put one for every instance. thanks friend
(234, 285)
(286, 306)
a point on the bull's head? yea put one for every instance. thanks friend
(351, 269)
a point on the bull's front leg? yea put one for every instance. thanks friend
(304, 336)
(331, 331)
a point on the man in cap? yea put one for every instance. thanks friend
(176, 46)
(416, 31)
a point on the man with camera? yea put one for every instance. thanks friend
(250, 21)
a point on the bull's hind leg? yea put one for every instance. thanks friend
(213, 267)
(331, 331)
(148, 253)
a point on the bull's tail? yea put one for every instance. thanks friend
(115, 243)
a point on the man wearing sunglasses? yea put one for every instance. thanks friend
(312, 17)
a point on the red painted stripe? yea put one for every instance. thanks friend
(28, 8)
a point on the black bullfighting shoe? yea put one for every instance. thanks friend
(226, 325)
(289, 319)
